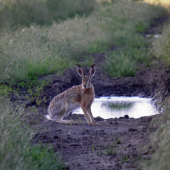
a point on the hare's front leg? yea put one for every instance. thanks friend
(87, 116)
(91, 116)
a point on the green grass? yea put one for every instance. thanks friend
(110, 150)
(160, 142)
(161, 46)
(29, 52)
(16, 150)
(122, 62)
(41, 12)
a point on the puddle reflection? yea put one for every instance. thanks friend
(112, 107)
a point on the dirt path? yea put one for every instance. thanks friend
(113, 144)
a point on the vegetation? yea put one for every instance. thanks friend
(161, 47)
(28, 52)
(39, 37)
(41, 12)
(16, 150)
(160, 140)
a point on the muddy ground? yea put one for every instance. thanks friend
(115, 143)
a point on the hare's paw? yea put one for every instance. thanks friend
(94, 123)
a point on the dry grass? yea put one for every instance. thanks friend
(162, 2)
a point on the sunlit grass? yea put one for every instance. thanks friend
(162, 2)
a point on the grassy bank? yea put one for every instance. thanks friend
(160, 140)
(161, 47)
(28, 52)
(16, 150)
(160, 143)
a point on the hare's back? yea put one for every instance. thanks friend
(70, 95)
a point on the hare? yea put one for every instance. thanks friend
(77, 96)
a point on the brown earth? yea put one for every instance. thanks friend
(115, 143)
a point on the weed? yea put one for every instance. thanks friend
(141, 26)
(125, 158)
(111, 150)
(118, 141)
(93, 148)
(5, 90)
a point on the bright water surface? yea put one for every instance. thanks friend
(112, 107)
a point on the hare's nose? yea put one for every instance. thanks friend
(85, 86)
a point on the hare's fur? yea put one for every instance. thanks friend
(77, 96)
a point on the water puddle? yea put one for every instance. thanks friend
(112, 107)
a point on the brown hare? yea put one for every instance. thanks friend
(77, 96)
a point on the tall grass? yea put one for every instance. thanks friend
(122, 62)
(161, 46)
(16, 150)
(34, 51)
(41, 12)
(160, 140)
(132, 47)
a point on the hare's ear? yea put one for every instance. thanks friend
(92, 70)
(80, 70)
